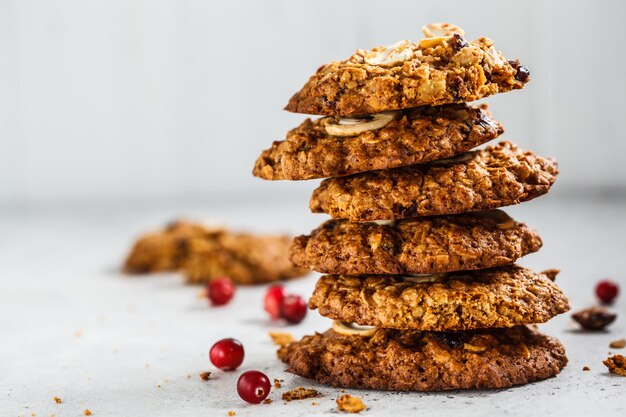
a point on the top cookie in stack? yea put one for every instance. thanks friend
(416, 250)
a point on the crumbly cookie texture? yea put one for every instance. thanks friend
(419, 135)
(426, 361)
(491, 298)
(616, 364)
(423, 245)
(494, 177)
(436, 70)
(350, 404)
(245, 258)
(300, 393)
(166, 249)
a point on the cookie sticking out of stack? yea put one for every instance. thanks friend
(421, 283)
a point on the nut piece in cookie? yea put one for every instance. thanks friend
(594, 318)
(616, 364)
(300, 393)
(350, 404)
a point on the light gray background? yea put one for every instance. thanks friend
(151, 101)
(116, 116)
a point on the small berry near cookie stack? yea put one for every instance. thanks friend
(421, 283)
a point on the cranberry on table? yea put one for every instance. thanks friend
(253, 386)
(227, 354)
(606, 291)
(293, 308)
(273, 300)
(220, 291)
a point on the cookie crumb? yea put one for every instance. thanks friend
(231, 413)
(87, 412)
(205, 376)
(300, 393)
(618, 344)
(57, 400)
(616, 364)
(551, 273)
(586, 368)
(313, 403)
(350, 404)
(594, 318)
(267, 401)
(281, 338)
(277, 383)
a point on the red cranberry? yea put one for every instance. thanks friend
(220, 291)
(253, 386)
(607, 291)
(273, 300)
(227, 354)
(293, 309)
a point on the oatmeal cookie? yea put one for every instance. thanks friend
(426, 361)
(493, 177)
(416, 135)
(499, 297)
(422, 245)
(165, 250)
(244, 258)
(436, 70)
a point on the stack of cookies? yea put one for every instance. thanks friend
(421, 283)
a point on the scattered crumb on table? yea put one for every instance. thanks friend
(277, 383)
(618, 344)
(616, 364)
(231, 413)
(87, 412)
(586, 368)
(205, 376)
(281, 338)
(300, 393)
(350, 404)
(57, 400)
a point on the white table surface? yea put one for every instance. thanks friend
(73, 327)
